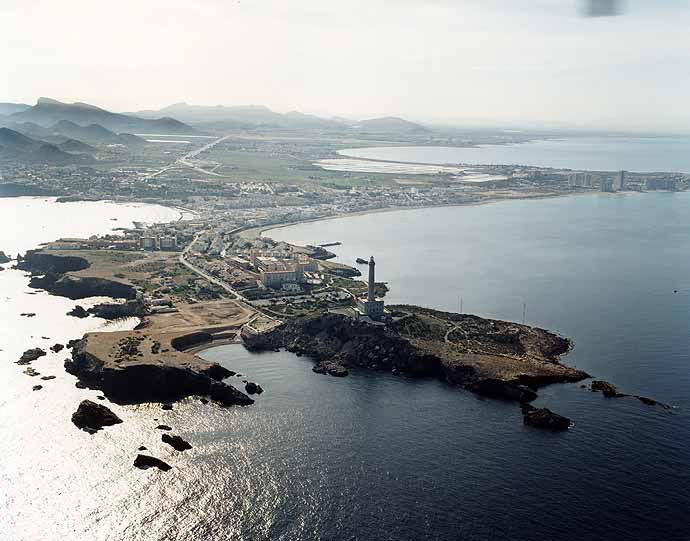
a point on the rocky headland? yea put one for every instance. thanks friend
(136, 367)
(489, 357)
(49, 272)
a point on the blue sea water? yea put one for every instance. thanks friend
(373, 456)
(639, 154)
(610, 271)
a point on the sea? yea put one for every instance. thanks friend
(601, 153)
(375, 456)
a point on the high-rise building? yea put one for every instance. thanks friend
(168, 243)
(619, 181)
(148, 243)
(606, 185)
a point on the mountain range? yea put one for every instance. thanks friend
(47, 112)
(9, 108)
(88, 123)
(16, 146)
(254, 116)
(241, 116)
(67, 130)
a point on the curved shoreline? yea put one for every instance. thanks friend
(347, 153)
(259, 231)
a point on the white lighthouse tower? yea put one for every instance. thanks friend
(369, 306)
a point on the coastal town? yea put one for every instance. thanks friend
(215, 276)
(216, 249)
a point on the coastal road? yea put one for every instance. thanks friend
(184, 160)
(207, 276)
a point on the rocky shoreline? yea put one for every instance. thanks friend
(492, 358)
(134, 368)
(489, 357)
(49, 272)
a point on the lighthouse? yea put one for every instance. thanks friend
(372, 282)
(369, 307)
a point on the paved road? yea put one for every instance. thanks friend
(238, 297)
(184, 160)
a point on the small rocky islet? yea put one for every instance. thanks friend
(92, 417)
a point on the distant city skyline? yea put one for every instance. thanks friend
(535, 63)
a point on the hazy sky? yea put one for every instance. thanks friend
(511, 61)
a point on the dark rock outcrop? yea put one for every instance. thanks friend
(611, 391)
(37, 387)
(48, 273)
(253, 388)
(31, 355)
(28, 314)
(337, 338)
(40, 262)
(329, 367)
(110, 311)
(3, 258)
(139, 381)
(607, 389)
(651, 402)
(78, 311)
(176, 442)
(56, 348)
(75, 287)
(163, 427)
(544, 418)
(144, 462)
(507, 390)
(91, 417)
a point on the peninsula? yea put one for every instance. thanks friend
(276, 296)
(153, 363)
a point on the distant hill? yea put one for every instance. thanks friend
(30, 129)
(130, 140)
(312, 121)
(16, 146)
(52, 155)
(10, 108)
(77, 147)
(390, 124)
(242, 116)
(65, 130)
(48, 112)
(93, 133)
(13, 143)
